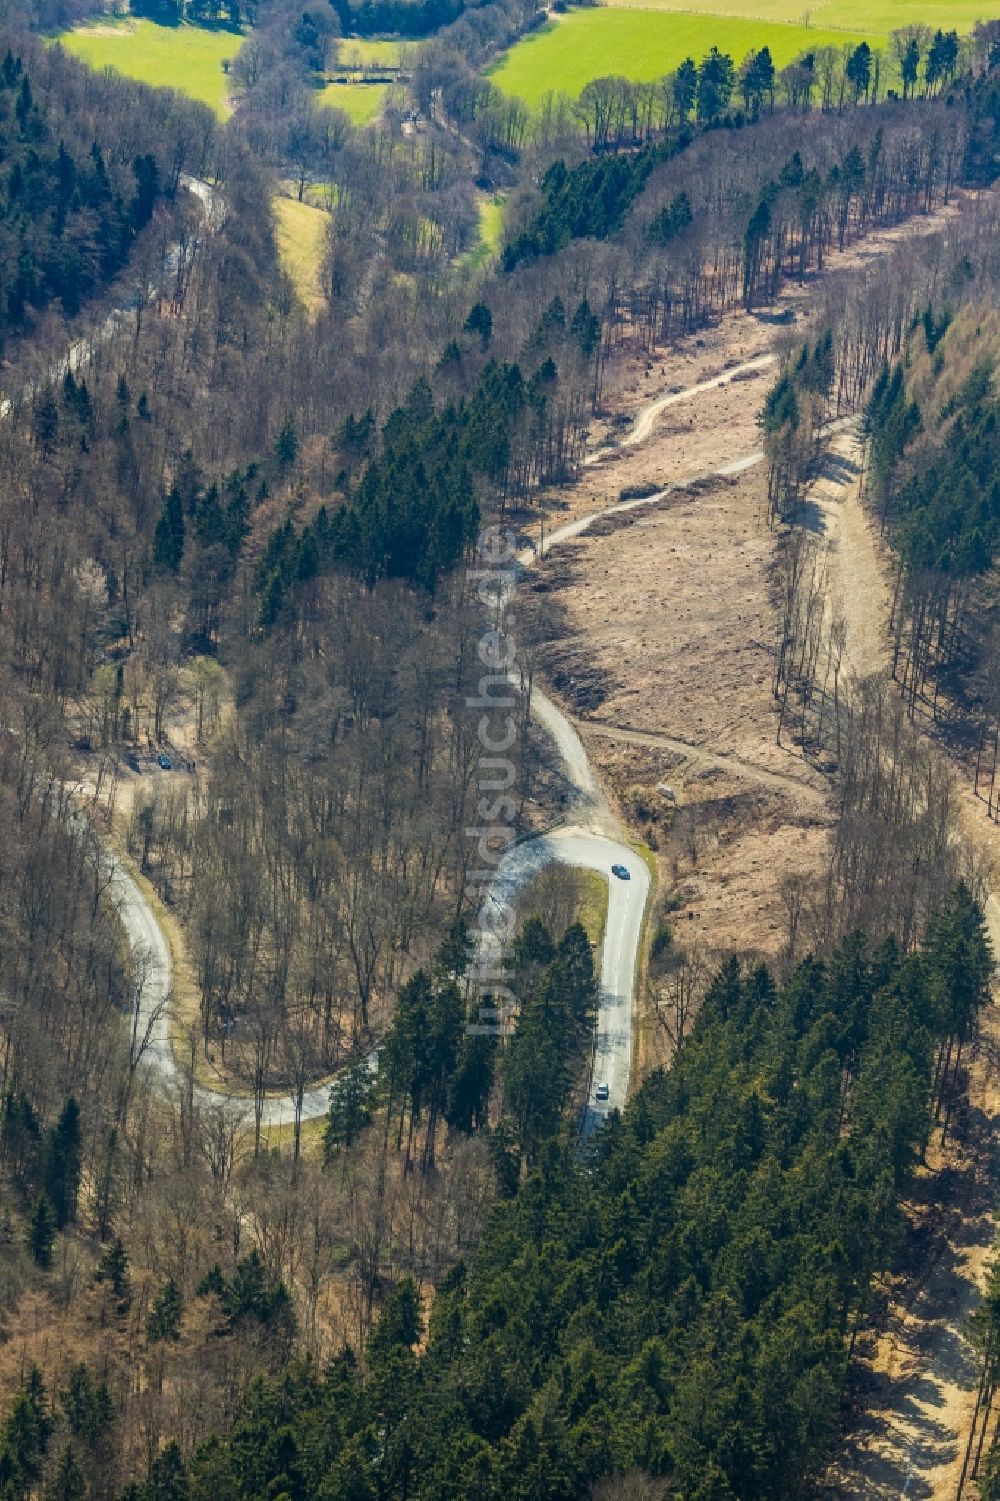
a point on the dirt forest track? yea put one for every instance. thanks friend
(911, 1440)
(699, 756)
(645, 422)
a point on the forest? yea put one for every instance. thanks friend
(930, 426)
(686, 1310)
(77, 194)
(406, 18)
(241, 538)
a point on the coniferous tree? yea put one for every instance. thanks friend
(469, 1094)
(400, 1323)
(685, 88)
(858, 70)
(715, 86)
(67, 1482)
(86, 1404)
(480, 323)
(63, 1163)
(42, 1231)
(351, 1102)
(21, 1136)
(168, 1477)
(113, 1269)
(164, 1322)
(25, 1436)
(168, 539)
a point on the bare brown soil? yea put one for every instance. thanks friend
(694, 438)
(659, 638)
(660, 631)
(722, 850)
(672, 602)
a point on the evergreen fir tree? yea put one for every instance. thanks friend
(63, 1160)
(42, 1231)
(164, 1322)
(113, 1269)
(67, 1482)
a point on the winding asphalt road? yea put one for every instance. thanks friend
(151, 1016)
(592, 839)
(588, 850)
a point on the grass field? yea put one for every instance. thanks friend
(877, 16)
(490, 226)
(317, 194)
(362, 101)
(490, 208)
(188, 58)
(642, 44)
(301, 238)
(491, 222)
(361, 52)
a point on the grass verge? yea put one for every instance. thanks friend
(355, 53)
(490, 231)
(641, 1020)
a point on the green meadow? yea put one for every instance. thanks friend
(188, 58)
(873, 16)
(644, 44)
(491, 222)
(300, 234)
(374, 52)
(363, 102)
(486, 248)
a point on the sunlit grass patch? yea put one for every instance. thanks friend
(564, 56)
(363, 102)
(187, 58)
(301, 239)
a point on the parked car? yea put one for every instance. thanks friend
(602, 1091)
(164, 762)
(621, 871)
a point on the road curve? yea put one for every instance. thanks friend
(584, 849)
(596, 846)
(151, 1015)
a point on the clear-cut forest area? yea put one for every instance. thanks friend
(499, 751)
